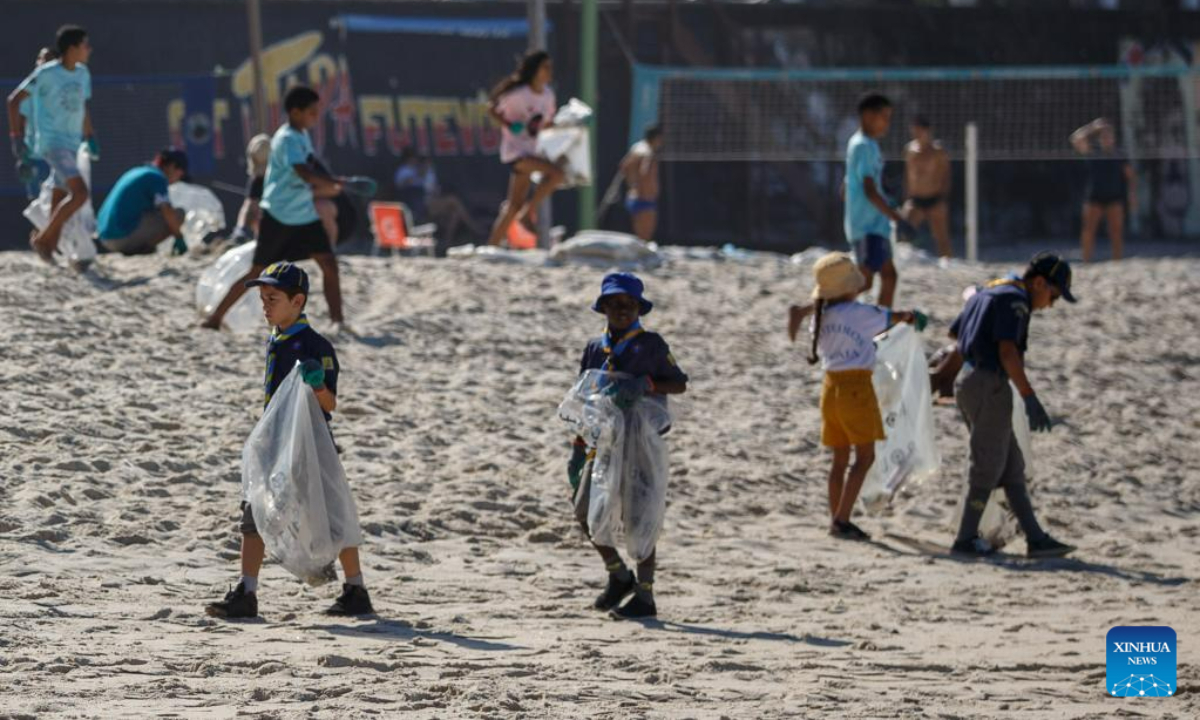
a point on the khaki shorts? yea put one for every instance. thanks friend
(849, 409)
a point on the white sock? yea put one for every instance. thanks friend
(250, 583)
(356, 580)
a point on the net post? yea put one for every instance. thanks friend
(971, 170)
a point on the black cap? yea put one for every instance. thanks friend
(172, 156)
(1056, 271)
(283, 275)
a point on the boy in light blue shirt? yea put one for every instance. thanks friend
(869, 214)
(31, 169)
(290, 228)
(58, 92)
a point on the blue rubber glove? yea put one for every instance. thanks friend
(93, 148)
(180, 247)
(312, 373)
(627, 392)
(516, 128)
(1039, 419)
(920, 320)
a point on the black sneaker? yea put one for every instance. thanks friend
(976, 547)
(237, 604)
(353, 601)
(636, 609)
(1047, 547)
(620, 584)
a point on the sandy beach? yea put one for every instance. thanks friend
(120, 443)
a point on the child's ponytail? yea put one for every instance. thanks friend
(812, 354)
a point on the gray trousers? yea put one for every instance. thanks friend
(151, 230)
(986, 401)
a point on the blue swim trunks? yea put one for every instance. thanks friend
(636, 205)
(873, 251)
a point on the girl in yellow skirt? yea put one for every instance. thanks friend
(843, 330)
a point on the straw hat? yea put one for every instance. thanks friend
(836, 274)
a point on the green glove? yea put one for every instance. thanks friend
(312, 373)
(920, 320)
(626, 393)
(180, 247)
(93, 148)
(516, 128)
(576, 465)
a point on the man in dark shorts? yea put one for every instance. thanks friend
(927, 180)
(1110, 184)
(290, 228)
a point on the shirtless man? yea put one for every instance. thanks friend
(927, 179)
(640, 170)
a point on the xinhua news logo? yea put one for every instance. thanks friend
(1141, 661)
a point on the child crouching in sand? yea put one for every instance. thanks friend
(843, 330)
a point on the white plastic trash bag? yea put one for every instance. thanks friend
(576, 112)
(571, 149)
(998, 525)
(75, 242)
(246, 314)
(294, 482)
(909, 454)
(203, 212)
(628, 488)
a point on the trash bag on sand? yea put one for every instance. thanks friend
(998, 525)
(246, 314)
(909, 454)
(203, 212)
(629, 473)
(75, 242)
(294, 482)
(604, 249)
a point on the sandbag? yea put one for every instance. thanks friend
(203, 212)
(294, 482)
(998, 525)
(246, 314)
(909, 454)
(75, 242)
(629, 473)
(602, 248)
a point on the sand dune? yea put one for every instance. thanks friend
(120, 440)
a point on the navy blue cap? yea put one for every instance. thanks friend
(282, 275)
(1056, 271)
(623, 284)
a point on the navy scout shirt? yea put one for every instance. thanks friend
(646, 354)
(996, 313)
(297, 344)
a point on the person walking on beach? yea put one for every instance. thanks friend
(843, 330)
(523, 104)
(59, 91)
(284, 291)
(992, 333)
(291, 228)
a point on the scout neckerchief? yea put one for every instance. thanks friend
(277, 337)
(614, 350)
(1010, 280)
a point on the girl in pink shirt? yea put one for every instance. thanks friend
(523, 104)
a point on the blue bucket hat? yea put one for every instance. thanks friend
(623, 284)
(282, 275)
